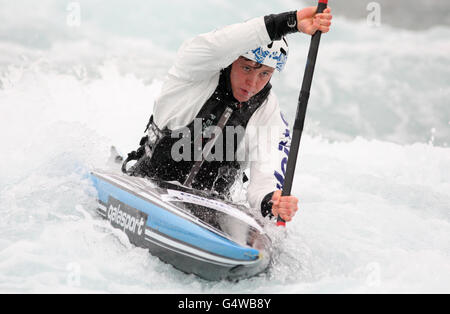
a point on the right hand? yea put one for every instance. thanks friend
(284, 206)
(309, 22)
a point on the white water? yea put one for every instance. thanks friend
(373, 177)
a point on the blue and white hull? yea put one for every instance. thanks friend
(187, 228)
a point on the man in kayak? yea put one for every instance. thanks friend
(222, 79)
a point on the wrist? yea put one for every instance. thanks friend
(279, 25)
(266, 205)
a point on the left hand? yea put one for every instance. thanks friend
(285, 206)
(309, 22)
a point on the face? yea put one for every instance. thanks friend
(248, 78)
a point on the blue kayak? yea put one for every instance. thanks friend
(196, 232)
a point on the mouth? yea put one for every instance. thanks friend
(246, 93)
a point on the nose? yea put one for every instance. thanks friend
(251, 80)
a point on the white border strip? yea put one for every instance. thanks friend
(102, 207)
(197, 254)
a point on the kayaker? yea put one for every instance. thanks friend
(228, 68)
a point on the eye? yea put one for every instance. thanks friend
(265, 74)
(246, 68)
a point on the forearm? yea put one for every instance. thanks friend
(207, 54)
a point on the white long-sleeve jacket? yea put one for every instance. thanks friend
(192, 80)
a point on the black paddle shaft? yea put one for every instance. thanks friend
(301, 110)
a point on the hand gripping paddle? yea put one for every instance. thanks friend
(301, 110)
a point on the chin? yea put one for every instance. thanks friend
(241, 99)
